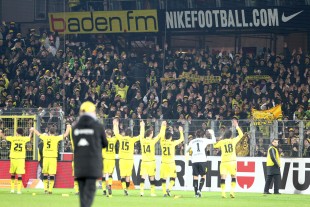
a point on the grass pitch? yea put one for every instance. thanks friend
(66, 198)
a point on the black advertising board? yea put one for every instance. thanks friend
(270, 19)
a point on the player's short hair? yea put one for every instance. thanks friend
(168, 134)
(199, 133)
(148, 132)
(52, 130)
(128, 132)
(227, 134)
(108, 131)
(20, 131)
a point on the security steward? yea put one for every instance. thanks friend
(88, 140)
(273, 167)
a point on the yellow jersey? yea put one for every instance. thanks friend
(148, 146)
(168, 148)
(121, 91)
(50, 145)
(228, 147)
(109, 152)
(18, 146)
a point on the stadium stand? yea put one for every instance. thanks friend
(39, 73)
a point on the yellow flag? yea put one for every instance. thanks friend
(266, 116)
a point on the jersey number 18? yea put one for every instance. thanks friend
(228, 148)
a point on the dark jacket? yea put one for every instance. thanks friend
(88, 139)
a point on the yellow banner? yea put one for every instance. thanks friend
(195, 78)
(257, 77)
(104, 22)
(266, 116)
(200, 78)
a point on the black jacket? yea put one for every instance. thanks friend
(88, 139)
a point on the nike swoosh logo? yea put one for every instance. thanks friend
(288, 18)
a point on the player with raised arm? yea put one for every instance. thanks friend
(108, 155)
(126, 151)
(199, 158)
(148, 164)
(17, 156)
(168, 167)
(50, 154)
(228, 157)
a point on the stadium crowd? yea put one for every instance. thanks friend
(38, 71)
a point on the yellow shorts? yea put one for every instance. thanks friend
(49, 165)
(228, 168)
(148, 168)
(108, 166)
(17, 166)
(125, 167)
(168, 170)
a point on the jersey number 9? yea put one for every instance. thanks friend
(110, 147)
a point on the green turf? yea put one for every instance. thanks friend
(183, 199)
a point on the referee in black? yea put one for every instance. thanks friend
(88, 139)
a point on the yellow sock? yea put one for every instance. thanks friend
(110, 181)
(233, 186)
(152, 189)
(124, 185)
(104, 185)
(19, 185)
(163, 186)
(76, 186)
(12, 184)
(171, 184)
(45, 181)
(51, 184)
(141, 187)
(223, 188)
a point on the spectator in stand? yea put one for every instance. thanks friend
(306, 149)
(33, 66)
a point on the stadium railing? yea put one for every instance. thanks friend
(291, 134)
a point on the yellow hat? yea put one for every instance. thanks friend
(88, 107)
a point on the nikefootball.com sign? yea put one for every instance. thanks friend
(231, 18)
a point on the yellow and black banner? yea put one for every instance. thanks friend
(104, 22)
(257, 77)
(262, 117)
(200, 78)
(195, 78)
